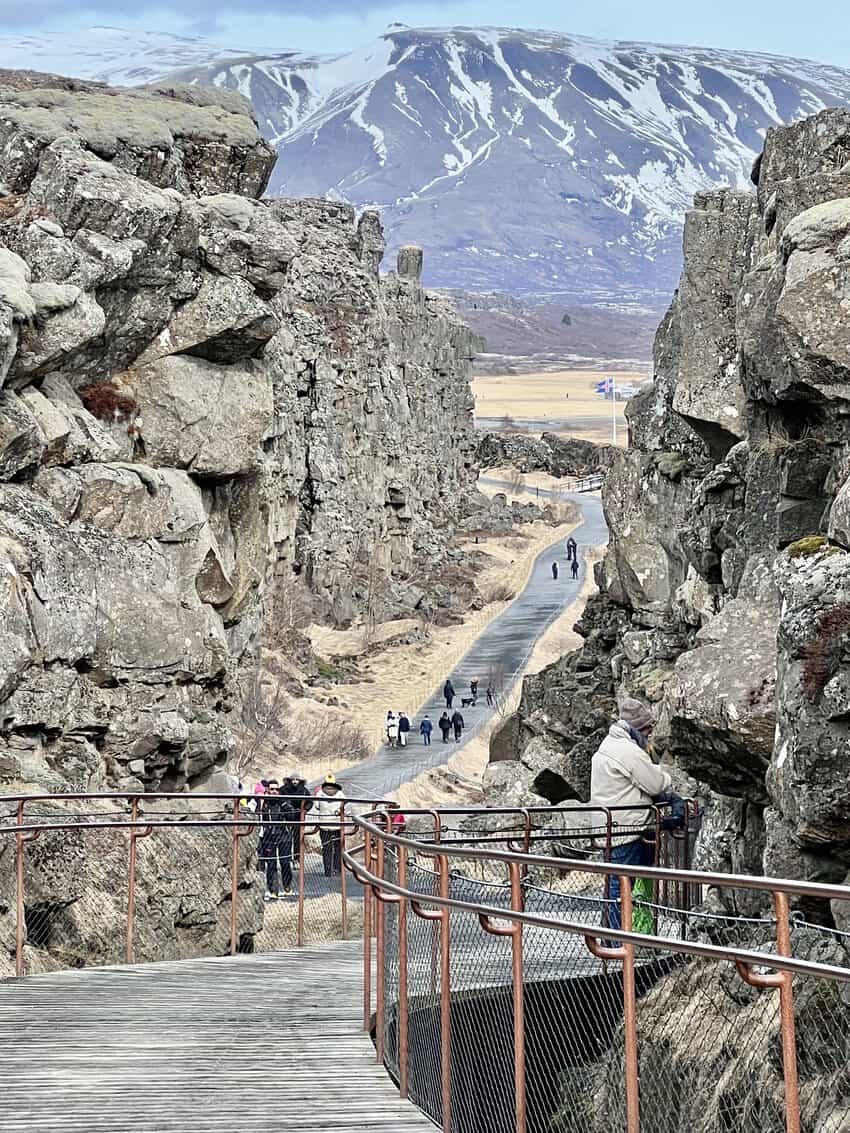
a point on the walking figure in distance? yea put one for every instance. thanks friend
(575, 567)
(491, 697)
(425, 730)
(392, 729)
(445, 726)
(403, 729)
(449, 692)
(457, 725)
(473, 688)
(555, 571)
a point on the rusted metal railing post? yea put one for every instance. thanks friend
(135, 835)
(234, 883)
(786, 1009)
(302, 830)
(367, 933)
(130, 950)
(20, 920)
(445, 997)
(342, 879)
(784, 982)
(515, 932)
(380, 948)
(403, 1005)
(442, 918)
(630, 1013)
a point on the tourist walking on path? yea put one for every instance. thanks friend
(425, 730)
(555, 571)
(491, 697)
(298, 806)
(572, 549)
(622, 774)
(392, 729)
(328, 810)
(575, 567)
(445, 726)
(449, 692)
(473, 687)
(403, 729)
(274, 853)
(457, 725)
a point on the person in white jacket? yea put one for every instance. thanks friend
(327, 810)
(622, 774)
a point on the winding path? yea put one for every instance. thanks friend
(504, 645)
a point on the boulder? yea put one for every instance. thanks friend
(201, 416)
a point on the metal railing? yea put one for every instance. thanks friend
(510, 988)
(114, 878)
(707, 1021)
(109, 878)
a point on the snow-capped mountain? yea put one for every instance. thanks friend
(523, 161)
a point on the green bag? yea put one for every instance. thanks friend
(642, 920)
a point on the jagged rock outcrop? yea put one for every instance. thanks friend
(559, 456)
(206, 399)
(728, 561)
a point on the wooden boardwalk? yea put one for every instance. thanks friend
(251, 1044)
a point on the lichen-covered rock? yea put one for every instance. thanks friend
(735, 480)
(195, 139)
(557, 455)
(203, 395)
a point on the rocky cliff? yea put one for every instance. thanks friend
(725, 592)
(205, 400)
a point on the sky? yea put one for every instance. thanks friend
(818, 30)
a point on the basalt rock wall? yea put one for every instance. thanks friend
(205, 400)
(725, 591)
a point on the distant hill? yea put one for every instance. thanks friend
(524, 161)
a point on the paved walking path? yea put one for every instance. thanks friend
(504, 645)
(208, 1046)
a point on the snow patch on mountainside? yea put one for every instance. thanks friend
(523, 160)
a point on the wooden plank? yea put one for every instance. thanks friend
(250, 1043)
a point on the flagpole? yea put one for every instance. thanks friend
(613, 409)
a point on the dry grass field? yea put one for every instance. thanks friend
(561, 402)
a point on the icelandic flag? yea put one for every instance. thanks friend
(606, 386)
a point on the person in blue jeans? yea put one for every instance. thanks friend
(425, 730)
(622, 774)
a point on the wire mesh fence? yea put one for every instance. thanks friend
(92, 880)
(725, 1023)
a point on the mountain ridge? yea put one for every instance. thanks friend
(530, 162)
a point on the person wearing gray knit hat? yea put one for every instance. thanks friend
(624, 778)
(637, 715)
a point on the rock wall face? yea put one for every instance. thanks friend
(204, 399)
(729, 560)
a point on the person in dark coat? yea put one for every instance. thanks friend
(273, 843)
(572, 549)
(449, 692)
(555, 571)
(403, 728)
(296, 801)
(473, 687)
(425, 730)
(445, 726)
(457, 725)
(575, 568)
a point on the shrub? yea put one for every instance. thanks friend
(106, 402)
(821, 654)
